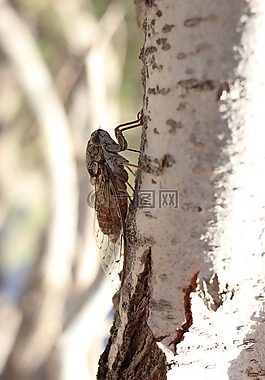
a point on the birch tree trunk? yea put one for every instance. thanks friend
(194, 283)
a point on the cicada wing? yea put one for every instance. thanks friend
(111, 255)
(111, 201)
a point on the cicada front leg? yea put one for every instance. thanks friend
(124, 127)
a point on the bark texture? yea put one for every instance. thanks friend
(203, 141)
(138, 355)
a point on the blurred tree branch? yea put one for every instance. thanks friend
(44, 300)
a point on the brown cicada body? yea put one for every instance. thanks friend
(108, 175)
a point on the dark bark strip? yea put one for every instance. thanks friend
(188, 313)
(139, 357)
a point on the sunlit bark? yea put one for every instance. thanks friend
(203, 137)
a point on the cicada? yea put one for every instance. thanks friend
(106, 168)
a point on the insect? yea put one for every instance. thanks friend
(106, 168)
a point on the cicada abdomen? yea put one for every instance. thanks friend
(111, 252)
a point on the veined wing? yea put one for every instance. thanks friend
(111, 208)
(111, 255)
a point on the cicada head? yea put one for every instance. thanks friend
(101, 138)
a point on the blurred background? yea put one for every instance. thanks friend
(66, 68)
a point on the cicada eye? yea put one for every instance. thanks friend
(92, 169)
(95, 138)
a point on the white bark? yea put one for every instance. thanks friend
(204, 83)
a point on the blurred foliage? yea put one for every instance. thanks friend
(69, 41)
(24, 208)
(131, 89)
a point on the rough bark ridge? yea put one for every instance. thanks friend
(139, 356)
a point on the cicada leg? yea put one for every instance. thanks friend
(126, 126)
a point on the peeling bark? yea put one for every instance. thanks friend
(188, 313)
(139, 356)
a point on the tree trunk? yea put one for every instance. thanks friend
(195, 268)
